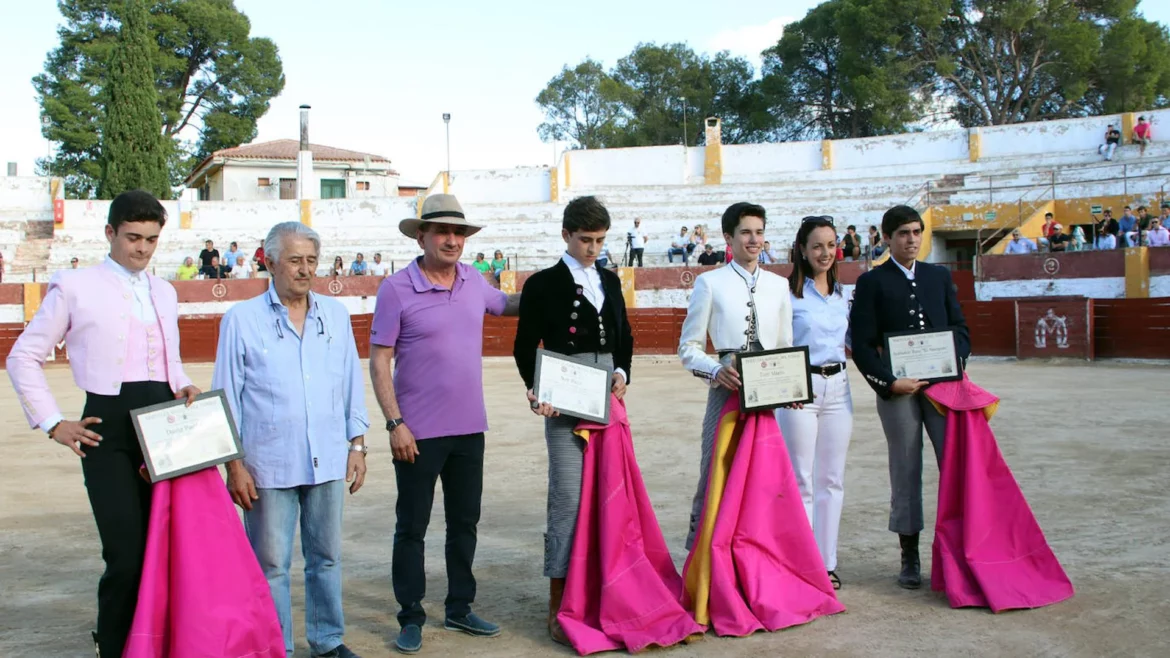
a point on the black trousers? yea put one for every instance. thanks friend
(458, 461)
(120, 500)
(636, 254)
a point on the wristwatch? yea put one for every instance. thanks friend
(395, 422)
(359, 447)
(51, 429)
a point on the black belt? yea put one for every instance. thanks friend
(828, 370)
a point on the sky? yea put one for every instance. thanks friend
(379, 75)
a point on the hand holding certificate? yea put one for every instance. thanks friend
(177, 439)
(774, 378)
(929, 356)
(573, 387)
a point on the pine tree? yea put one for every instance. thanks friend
(133, 153)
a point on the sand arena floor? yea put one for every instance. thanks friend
(1088, 444)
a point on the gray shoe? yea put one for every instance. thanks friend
(472, 625)
(409, 639)
(340, 651)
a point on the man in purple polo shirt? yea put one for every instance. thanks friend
(429, 316)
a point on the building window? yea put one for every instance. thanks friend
(263, 182)
(205, 192)
(363, 186)
(332, 188)
(288, 188)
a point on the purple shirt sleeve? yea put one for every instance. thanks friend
(494, 299)
(387, 317)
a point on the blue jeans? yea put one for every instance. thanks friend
(271, 525)
(676, 251)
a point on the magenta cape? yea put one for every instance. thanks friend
(989, 550)
(754, 564)
(202, 594)
(622, 590)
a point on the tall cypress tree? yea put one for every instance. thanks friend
(134, 155)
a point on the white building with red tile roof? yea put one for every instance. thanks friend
(268, 170)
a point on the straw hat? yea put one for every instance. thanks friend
(437, 209)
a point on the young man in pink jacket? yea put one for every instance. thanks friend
(121, 331)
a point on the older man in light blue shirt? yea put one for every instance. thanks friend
(289, 365)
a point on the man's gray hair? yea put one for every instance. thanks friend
(274, 242)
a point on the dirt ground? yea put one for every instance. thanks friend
(1087, 443)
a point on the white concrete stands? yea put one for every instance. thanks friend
(522, 184)
(1112, 287)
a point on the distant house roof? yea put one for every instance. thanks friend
(281, 149)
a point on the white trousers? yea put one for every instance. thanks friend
(817, 437)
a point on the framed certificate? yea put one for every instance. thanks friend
(928, 355)
(774, 378)
(572, 386)
(177, 439)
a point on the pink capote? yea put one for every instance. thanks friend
(202, 594)
(989, 550)
(758, 566)
(622, 590)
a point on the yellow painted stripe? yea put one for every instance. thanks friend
(307, 212)
(826, 154)
(508, 282)
(553, 185)
(568, 183)
(974, 144)
(1137, 272)
(185, 219)
(32, 300)
(626, 274)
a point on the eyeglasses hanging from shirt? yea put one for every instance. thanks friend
(320, 328)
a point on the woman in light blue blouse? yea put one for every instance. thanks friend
(817, 435)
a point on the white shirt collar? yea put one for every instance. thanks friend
(751, 276)
(573, 263)
(908, 272)
(127, 274)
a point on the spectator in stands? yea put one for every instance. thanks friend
(604, 257)
(1059, 240)
(378, 268)
(1158, 235)
(499, 263)
(1049, 225)
(1165, 218)
(1106, 241)
(73, 263)
(1126, 226)
(230, 257)
(637, 240)
(698, 238)
(481, 264)
(709, 257)
(1078, 240)
(1142, 135)
(876, 249)
(338, 268)
(1019, 244)
(1112, 139)
(358, 267)
(209, 252)
(1106, 226)
(187, 270)
(213, 270)
(678, 246)
(258, 258)
(767, 256)
(241, 270)
(851, 245)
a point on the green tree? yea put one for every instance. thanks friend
(1133, 71)
(213, 82)
(1009, 61)
(133, 154)
(582, 105)
(849, 69)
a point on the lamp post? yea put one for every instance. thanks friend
(447, 175)
(684, 105)
(45, 123)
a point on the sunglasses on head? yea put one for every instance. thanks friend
(818, 218)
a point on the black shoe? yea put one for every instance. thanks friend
(911, 576)
(340, 651)
(472, 625)
(409, 639)
(97, 650)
